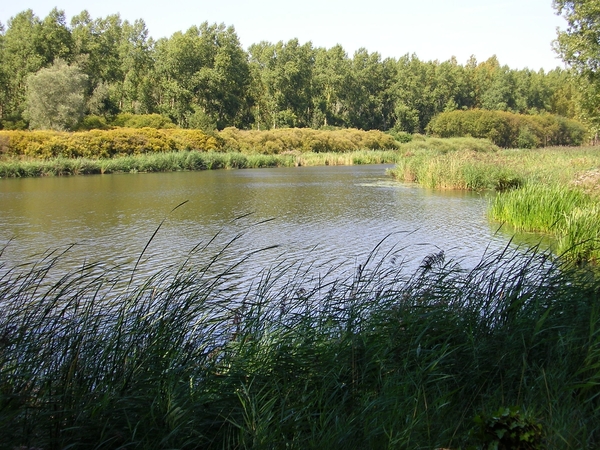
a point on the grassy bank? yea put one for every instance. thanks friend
(187, 358)
(488, 167)
(182, 159)
(103, 144)
(186, 160)
(569, 214)
(553, 190)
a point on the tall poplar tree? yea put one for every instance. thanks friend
(579, 46)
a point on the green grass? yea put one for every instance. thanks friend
(186, 160)
(538, 207)
(157, 162)
(553, 190)
(571, 215)
(189, 357)
(457, 165)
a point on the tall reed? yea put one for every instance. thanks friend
(467, 164)
(186, 160)
(300, 357)
(570, 214)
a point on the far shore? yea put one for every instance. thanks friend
(186, 161)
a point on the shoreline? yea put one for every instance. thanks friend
(188, 160)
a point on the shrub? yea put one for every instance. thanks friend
(93, 122)
(509, 130)
(55, 97)
(103, 143)
(304, 140)
(127, 120)
(401, 136)
(509, 429)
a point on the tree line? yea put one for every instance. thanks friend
(203, 78)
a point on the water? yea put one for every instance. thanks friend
(328, 215)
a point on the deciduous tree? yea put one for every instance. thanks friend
(55, 97)
(579, 46)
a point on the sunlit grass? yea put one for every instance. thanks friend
(571, 215)
(187, 161)
(462, 166)
(551, 190)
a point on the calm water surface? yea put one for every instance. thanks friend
(329, 215)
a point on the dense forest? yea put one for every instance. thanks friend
(203, 78)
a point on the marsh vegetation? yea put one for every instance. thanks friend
(102, 357)
(552, 190)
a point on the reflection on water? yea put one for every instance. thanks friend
(326, 214)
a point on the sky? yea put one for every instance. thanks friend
(518, 32)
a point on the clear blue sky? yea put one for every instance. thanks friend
(518, 32)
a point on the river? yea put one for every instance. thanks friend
(328, 216)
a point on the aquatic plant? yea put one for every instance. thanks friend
(567, 213)
(300, 356)
(185, 160)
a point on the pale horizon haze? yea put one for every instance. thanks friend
(518, 32)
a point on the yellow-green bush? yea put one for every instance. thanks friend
(128, 120)
(509, 130)
(304, 140)
(129, 141)
(193, 140)
(102, 143)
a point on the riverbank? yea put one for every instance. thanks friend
(553, 190)
(252, 150)
(186, 161)
(500, 169)
(437, 358)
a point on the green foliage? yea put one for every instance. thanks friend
(93, 122)
(304, 140)
(128, 120)
(527, 139)
(190, 357)
(23, 52)
(282, 75)
(55, 97)
(17, 124)
(508, 429)
(509, 130)
(201, 121)
(579, 47)
(579, 44)
(401, 136)
(202, 78)
(331, 75)
(104, 143)
(370, 104)
(569, 214)
(204, 68)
